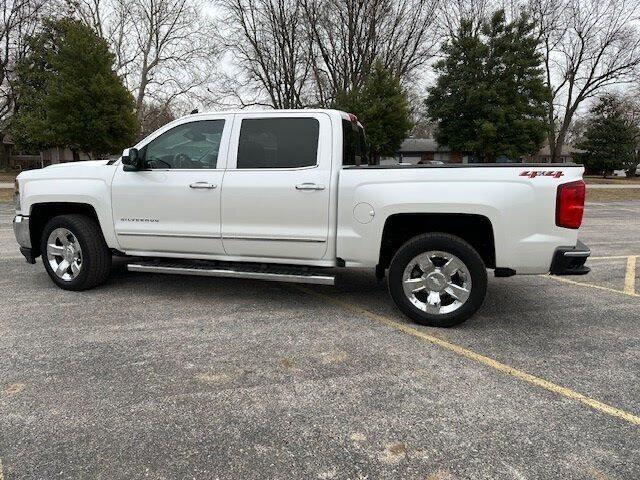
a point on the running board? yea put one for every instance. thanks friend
(274, 273)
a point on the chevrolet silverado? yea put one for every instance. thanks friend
(292, 196)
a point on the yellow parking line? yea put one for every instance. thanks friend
(613, 257)
(630, 277)
(489, 362)
(590, 285)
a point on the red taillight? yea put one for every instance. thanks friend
(570, 204)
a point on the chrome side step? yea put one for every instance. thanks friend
(250, 271)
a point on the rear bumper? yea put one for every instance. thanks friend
(23, 236)
(570, 260)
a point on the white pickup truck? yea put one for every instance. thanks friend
(291, 196)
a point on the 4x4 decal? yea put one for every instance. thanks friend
(542, 173)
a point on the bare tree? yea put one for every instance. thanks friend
(295, 53)
(155, 115)
(589, 46)
(91, 13)
(453, 12)
(19, 19)
(163, 48)
(350, 35)
(112, 20)
(174, 52)
(271, 50)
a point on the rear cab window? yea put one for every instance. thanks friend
(278, 143)
(354, 144)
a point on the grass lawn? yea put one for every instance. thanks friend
(613, 194)
(6, 195)
(8, 176)
(611, 181)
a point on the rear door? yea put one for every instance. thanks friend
(276, 190)
(173, 206)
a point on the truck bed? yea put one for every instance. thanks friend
(463, 165)
(518, 199)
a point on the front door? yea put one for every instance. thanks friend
(275, 194)
(173, 205)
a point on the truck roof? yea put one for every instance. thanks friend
(272, 110)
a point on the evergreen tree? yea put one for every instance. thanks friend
(609, 140)
(382, 107)
(70, 95)
(490, 98)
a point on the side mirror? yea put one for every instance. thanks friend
(131, 159)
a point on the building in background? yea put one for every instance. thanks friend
(427, 150)
(544, 155)
(59, 155)
(17, 160)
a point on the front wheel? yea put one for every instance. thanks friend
(74, 252)
(437, 279)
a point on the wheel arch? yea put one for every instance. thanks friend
(475, 229)
(41, 213)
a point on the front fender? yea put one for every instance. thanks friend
(93, 192)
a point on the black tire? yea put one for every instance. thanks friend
(445, 243)
(96, 257)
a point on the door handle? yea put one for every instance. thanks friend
(309, 186)
(203, 185)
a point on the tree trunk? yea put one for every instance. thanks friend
(556, 148)
(553, 155)
(76, 155)
(4, 158)
(551, 136)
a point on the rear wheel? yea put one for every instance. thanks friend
(437, 279)
(74, 252)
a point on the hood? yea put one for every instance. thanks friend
(84, 163)
(61, 170)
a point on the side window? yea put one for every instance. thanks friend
(191, 145)
(278, 143)
(354, 144)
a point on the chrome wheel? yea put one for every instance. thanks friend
(437, 282)
(64, 254)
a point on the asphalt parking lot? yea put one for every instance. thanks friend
(169, 377)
